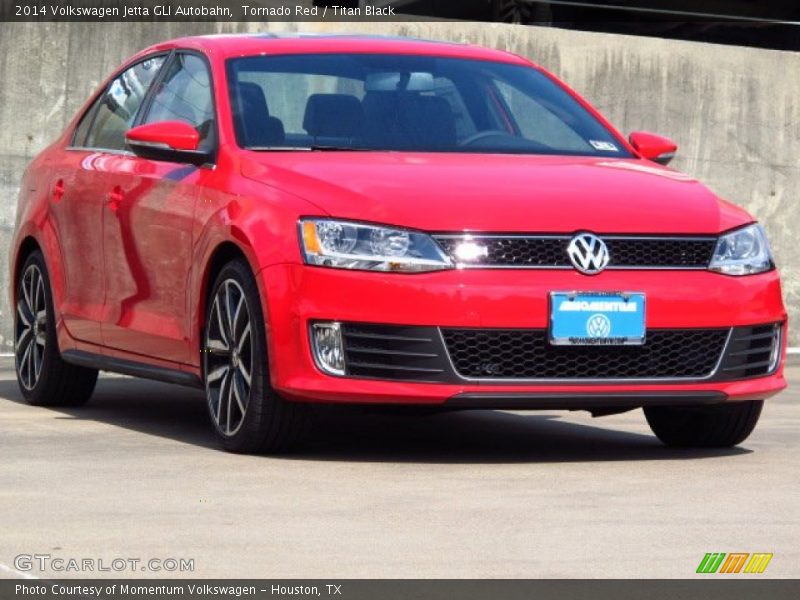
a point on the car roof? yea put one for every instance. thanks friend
(235, 45)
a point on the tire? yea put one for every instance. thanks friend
(248, 416)
(43, 377)
(719, 426)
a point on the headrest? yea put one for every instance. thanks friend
(429, 121)
(333, 115)
(252, 98)
(254, 125)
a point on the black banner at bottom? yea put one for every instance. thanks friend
(263, 589)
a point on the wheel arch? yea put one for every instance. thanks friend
(224, 253)
(221, 255)
(26, 247)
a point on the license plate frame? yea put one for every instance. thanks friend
(606, 311)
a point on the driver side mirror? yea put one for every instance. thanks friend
(171, 141)
(653, 147)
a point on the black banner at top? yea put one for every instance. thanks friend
(526, 11)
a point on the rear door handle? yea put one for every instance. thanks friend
(115, 197)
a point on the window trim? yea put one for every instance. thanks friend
(91, 111)
(147, 103)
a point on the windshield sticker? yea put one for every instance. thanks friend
(605, 146)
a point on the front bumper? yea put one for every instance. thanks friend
(296, 295)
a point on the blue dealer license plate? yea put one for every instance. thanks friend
(597, 318)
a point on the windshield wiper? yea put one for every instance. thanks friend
(324, 148)
(311, 148)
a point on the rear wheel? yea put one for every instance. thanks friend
(247, 414)
(43, 376)
(717, 426)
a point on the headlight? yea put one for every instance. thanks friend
(348, 245)
(742, 252)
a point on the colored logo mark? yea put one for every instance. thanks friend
(734, 562)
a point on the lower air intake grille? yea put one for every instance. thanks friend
(392, 352)
(526, 354)
(752, 352)
(409, 353)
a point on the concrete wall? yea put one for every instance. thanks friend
(735, 112)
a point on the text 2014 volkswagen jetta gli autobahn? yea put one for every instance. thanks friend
(295, 220)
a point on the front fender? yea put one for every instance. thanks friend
(260, 221)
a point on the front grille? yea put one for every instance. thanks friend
(526, 354)
(626, 252)
(420, 354)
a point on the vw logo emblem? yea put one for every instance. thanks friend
(598, 326)
(588, 253)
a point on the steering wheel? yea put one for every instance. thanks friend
(475, 137)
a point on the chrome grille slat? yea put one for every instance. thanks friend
(382, 352)
(392, 338)
(759, 350)
(754, 365)
(757, 336)
(393, 367)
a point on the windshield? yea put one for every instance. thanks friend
(408, 103)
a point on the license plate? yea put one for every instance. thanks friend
(597, 318)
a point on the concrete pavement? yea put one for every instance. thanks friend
(136, 474)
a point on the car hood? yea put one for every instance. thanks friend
(502, 193)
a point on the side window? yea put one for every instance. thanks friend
(184, 94)
(79, 137)
(287, 94)
(118, 107)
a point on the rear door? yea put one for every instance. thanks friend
(147, 230)
(80, 195)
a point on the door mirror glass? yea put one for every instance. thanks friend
(653, 147)
(173, 141)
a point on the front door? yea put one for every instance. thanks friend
(147, 228)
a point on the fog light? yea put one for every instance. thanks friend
(777, 346)
(326, 340)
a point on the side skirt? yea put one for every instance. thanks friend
(130, 367)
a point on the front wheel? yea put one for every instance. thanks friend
(719, 426)
(247, 414)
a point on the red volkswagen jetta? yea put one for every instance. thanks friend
(294, 220)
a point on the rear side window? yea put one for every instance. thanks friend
(105, 124)
(79, 137)
(184, 94)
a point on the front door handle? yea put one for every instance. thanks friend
(115, 197)
(58, 191)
